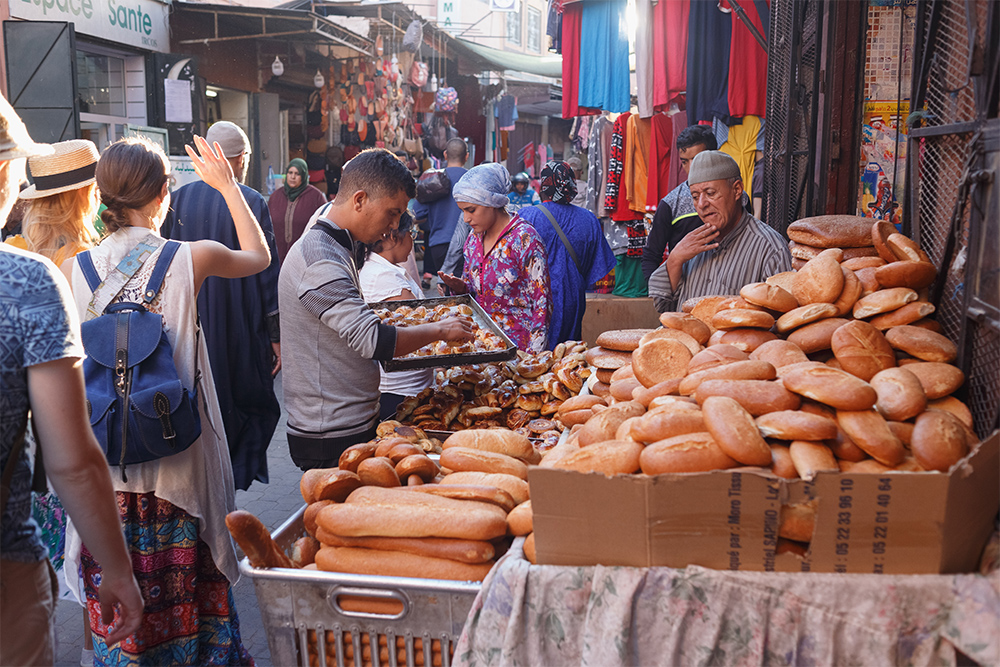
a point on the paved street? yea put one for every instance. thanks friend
(272, 503)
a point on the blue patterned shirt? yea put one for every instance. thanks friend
(38, 323)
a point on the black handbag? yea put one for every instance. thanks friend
(432, 185)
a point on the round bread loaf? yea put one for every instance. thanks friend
(716, 355)
(907, 314)
(915, 275)
(869, 431)
(604, 425)
(856, 263)
(819, 281)
(623, 373)
(883, 301)
(687, 323)
(938, 441)
(738, 370)
(758, 397)
(900, 396)
(660, 359)
(746, 340)
(779, 353)
(602, 389)
(606, 375)
(784, 280)
(796, 425)
(803, 251)
(735, 431)
(861, 349)
(811, 458)
(881, 230)
(781, 462)
(693, 346)
(850, 294)
(645, 395)
(691, 452)
(708, 306)
(621, 340)
(869, 283)
(807, 314)
(830, 386)
(954, 406)
(922, 343)
(832, 231)
(836, 254)
(611, 457)
(817, 336)
(660, 425)
(622, 389)
(768, 296)
(736, 318)
(599, 357)
(856, 253)
(905, 248)
(937, 379)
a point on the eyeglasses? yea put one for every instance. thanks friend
(413, 232)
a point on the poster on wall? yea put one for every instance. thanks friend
(883, 156)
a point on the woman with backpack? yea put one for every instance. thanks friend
(173, 508)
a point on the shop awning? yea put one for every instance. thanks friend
(519, 62)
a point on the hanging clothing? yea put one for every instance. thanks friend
(661, 142)
(742, 147)
(571, 22)
(635, 171)
(670, 51)
(553, 24)
(604, 68)
(709, 36)
(598, 154)
(568, 284)
(644, 73)
(511, 283)
(748, 61)
(616, 163)
(628, 278)
(506, 113)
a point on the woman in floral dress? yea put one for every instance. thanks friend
(506, 269)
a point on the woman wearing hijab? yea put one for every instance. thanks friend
(505, 264)
(575, 262)
(293, 205)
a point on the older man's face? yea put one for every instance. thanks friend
(718, 203)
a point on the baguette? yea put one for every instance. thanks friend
(908, 314)
(915, 275)
(796, 425)
(757, 397)
(603, 426)
(474, 492)
(831, 386)
(905, 248)
(584, 401)
(519, 521)
(817, 336)
(500, 441)
(883, 301)
(692, 452)
(516, 487)
(465, 551)
(735, 431)
(574, 417)
(738, 370)
(660, 425)
(460, 459)
(304, 551)
(736, 318)
(255, 541)
(781, 462)
(850, 294)
(803, 315)
(645, 395)
(397, 564)
(767, 296)
(612, 457)
(378, 512)
(558, 453)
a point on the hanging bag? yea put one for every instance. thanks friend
(432, 185)
(139, 408)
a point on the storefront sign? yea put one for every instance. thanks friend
(447, 15)
(138, 23)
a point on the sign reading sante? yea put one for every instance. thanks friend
(139, 23)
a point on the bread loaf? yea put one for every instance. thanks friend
(922, 343)
(529, 549)
(900, 395)
(607, 376)
(622, 340)
(832, 231)
(796, 425)
(515, 486)
(937, 379)
(784, 280)
(336, 485)
(612, 457)
(883, 301)
(938, 440)
(397, 564)
(735, 318)
(660, 425)
(904, 248)
(857, 253)
(869, 431)
(691, 452)
(303, 551)
(574, 417)
(856, 263)
(738, 370)
(903, 431)
(803, 251)
(745, 339)
(645, 395)
(908, 314)
(559, 452)
(735, 431)
(687, 323)
(419, 465)
(811, 458)
(830, 386)
(465, 551)
(707, 306)
(583, 401)
(915, 275)
(307, 485)
(659, 360)
(881, 230)
(804, 315)
(798, 521)
(473, 492)
(500, 441)
(819, 281)
(781, 462)
(378, 472)
(693, 346)
(817, 336)
(850, 294)
(757, 397)
(460, 459)
(768, 296)
(255, 541)
(374, 511)
(929, 324)
(779, 353)
(519, 521)
(600, 389)
(622, 389)
(355, 454)
(715, 355)
(954, 406)
(622, 373)
(861, 349)
(869, 284)
(603, 426)
(599, 357)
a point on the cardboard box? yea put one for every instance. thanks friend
(900, 523)
(607, 311)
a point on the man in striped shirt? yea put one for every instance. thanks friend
(731, 249)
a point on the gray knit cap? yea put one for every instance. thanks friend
(712, 166)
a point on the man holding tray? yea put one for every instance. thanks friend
(332, 342)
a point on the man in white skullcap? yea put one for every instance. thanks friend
(731, 249)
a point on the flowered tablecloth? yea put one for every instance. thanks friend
(550, 615)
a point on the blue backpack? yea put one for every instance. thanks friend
(139, 408)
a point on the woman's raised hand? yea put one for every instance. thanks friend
(210, 165)
(456, 284)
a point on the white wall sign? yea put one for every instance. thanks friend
(139, 23)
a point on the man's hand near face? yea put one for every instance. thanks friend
(692, 245)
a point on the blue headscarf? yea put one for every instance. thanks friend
(485, 185)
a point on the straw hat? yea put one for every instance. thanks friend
(69, 167)
(14, 140)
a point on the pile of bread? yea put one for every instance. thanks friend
(852, 234)
(389, 509)
(522, 395)
(814, 370)
(483, 340)
(419, 658)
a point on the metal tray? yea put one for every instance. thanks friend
(479, 316)
(296, 604)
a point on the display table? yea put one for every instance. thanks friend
(548, 615)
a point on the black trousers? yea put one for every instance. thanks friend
(309, 453)
(434, 258)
